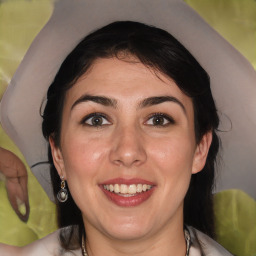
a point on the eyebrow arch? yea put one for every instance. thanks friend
(97, 99)
(160, 99)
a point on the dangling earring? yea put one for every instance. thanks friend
(63, 193)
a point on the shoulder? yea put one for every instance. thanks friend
(47, 246)
(206, 244)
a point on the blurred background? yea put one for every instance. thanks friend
(23, 221)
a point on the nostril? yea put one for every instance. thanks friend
(127, 147)
(128, 159)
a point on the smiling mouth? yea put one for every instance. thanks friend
(127, 190)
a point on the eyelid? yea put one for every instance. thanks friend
(166, 116)
(94, 114)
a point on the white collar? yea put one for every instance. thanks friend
(201, 242)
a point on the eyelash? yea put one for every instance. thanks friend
(166, 118)
(91, 116)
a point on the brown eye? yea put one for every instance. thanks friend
(160, 120)
(95, 120)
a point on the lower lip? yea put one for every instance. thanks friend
(128, 201)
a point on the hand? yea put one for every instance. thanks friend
(15, 175)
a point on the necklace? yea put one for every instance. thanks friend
(84, 252)
(188, 241)
(186, 234)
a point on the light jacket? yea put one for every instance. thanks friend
(50, 246)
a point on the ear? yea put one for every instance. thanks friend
(57, 158)
(201, 153)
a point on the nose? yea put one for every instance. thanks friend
(128, 147)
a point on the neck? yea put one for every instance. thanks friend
(168, 241)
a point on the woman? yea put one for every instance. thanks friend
(131, 125)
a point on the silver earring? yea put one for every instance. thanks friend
(63, 193)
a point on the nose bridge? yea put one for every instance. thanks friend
(128, 147)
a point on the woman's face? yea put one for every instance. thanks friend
(128, 149)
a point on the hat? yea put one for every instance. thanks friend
(233, 80)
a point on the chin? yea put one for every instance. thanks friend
(128, 233)
(128, 229)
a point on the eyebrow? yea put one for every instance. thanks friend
(109, 102)
(161, 99)
(97, 99)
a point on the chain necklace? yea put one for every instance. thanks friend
(84, 252)
(188, 241)
(186, 234)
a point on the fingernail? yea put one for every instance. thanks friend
(2, 177)
(21, 206)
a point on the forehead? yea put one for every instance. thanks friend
(128, 81)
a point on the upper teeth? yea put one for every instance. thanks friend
(127, 189)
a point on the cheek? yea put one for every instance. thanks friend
(173, 159)
(83, 161)
(83, 156)
(173, 153)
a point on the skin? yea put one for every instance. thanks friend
(129, 144)
(14, 172)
